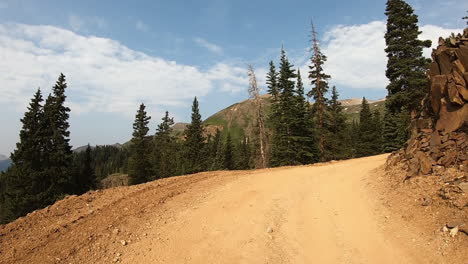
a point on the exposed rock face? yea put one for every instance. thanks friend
(439, 134)
(449, 77)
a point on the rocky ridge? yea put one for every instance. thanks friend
(438, 146)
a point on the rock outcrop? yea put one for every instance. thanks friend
(439, 133)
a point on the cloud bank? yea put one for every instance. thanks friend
(356, 56)
(103, 75)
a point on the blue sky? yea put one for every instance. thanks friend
(116, 54)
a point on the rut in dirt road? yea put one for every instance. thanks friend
(321, 213)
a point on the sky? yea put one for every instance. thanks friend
(118, 54)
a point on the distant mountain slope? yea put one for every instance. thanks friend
(238, 118)
(3, 157)
(4, 164)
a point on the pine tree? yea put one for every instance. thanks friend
(29, 150)
(139, 166)
(228, 153)
(390, 133)
(21, 192)
(164, 148)
(378, 128)
(84, 174)
(216, 152)
(243, 155)
(272, 82)
(319, 82)
(406, 70)
(282, 152)
(58, 157)
(365, 130)
(406, 66)
(303, 133)
(369, 142)
(194, 142)
(337, 146)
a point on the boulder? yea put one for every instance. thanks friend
(459, 66)
(451, 118)
(449, 158)
(435, 139)
(453, 95)
(462, 55)
(458, 78)
(437, 91)
(444, 61)
(463, 92)
(425, 162)
(434, 69)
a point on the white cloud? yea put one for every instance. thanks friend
(142, 26)
(103, 75)
(78, 23)
(208, 45)
(356, 56)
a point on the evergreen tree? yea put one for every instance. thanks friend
(406, 70)
(368, 142)
(164, 148)
(319, 82)
(303, 133)
(58, 157)
(338, 145)
(377, 124)
(20, 183)
(194, 142)
(84, 173)
(282, 151)
(29, 150)
(216, 152)
(139, 166)
(390, 133)
(228, 153)
(243, 155)
(272, 82)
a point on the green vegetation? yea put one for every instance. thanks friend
(406, 71)
(296, 131)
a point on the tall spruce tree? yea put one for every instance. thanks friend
(338, 141)
(368, 141)
(282, 151)
(216, 152)
(164, 148)
(406, 68)
(303, 132)
(84, 174)
(58, 157)
(319, 82)
(20, 184)
(243, 155)
(272, 82)
(194, 142)
(139, 165)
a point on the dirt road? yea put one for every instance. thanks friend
(311, 214)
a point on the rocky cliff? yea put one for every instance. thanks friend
(439, 133)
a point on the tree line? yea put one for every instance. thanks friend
(299, 128)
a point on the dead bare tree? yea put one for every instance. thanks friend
(254, 93)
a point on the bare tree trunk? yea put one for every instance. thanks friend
(320, 102)
(254, 93)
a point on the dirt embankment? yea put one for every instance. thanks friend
(339, 212)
